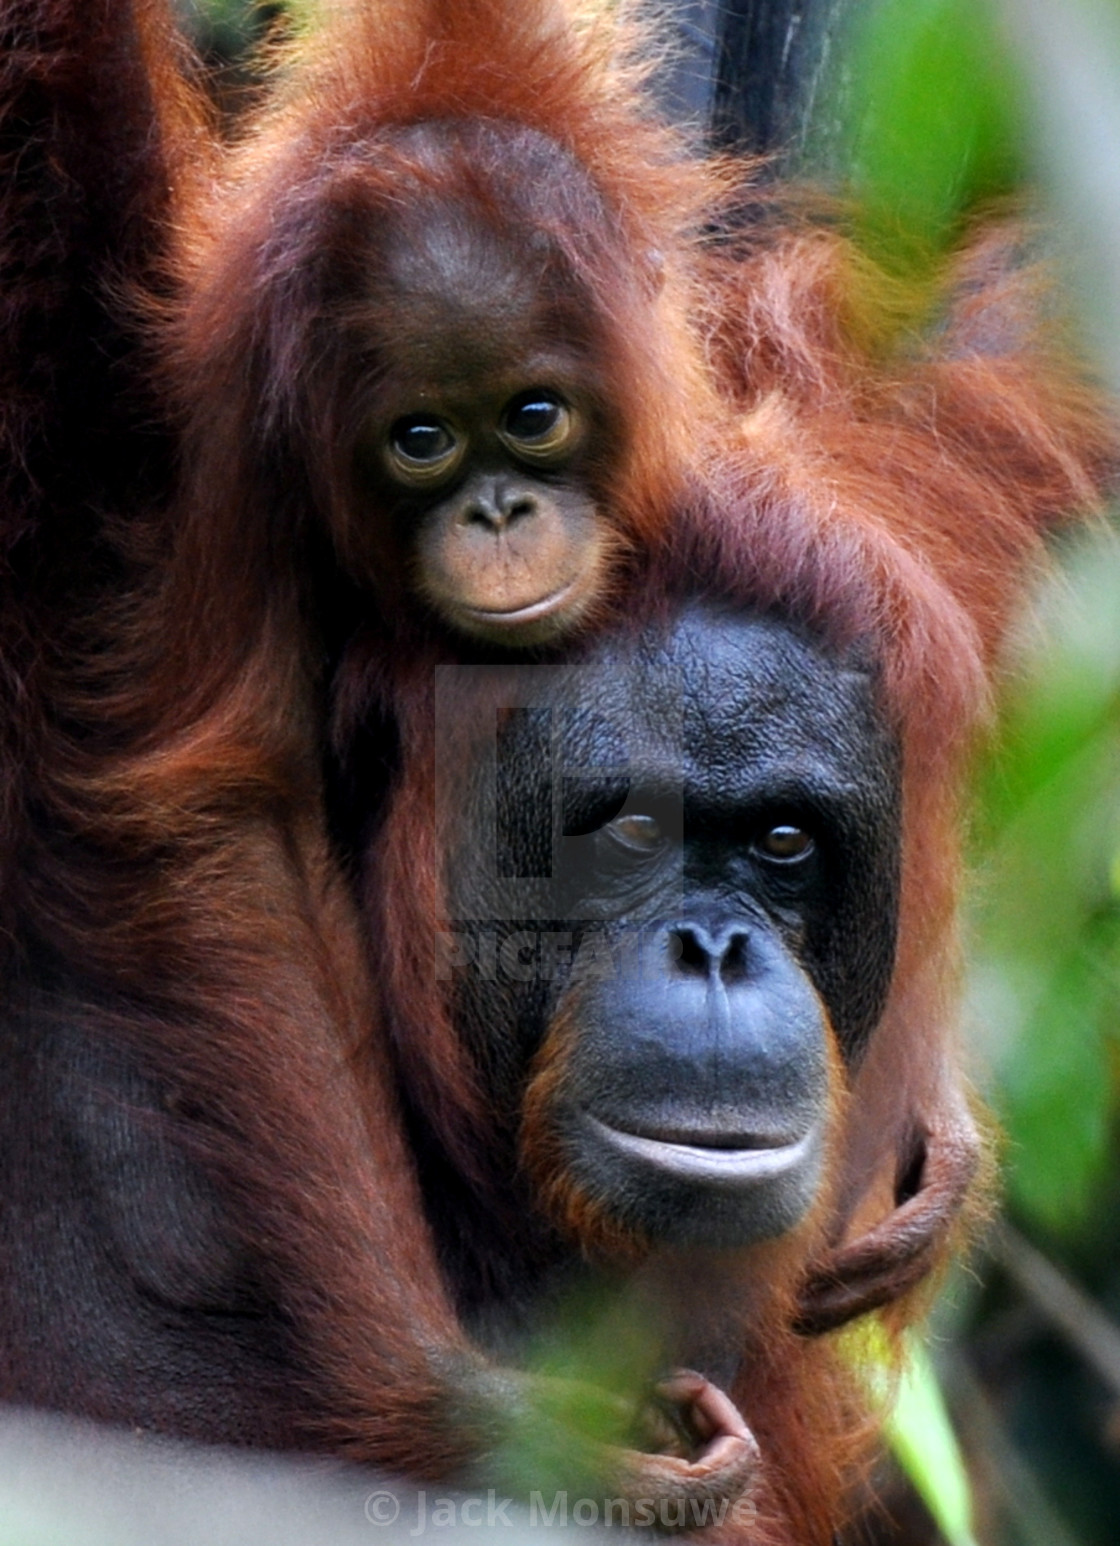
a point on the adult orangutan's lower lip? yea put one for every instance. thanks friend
(744, 1159)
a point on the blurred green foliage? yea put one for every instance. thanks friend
(594, 1363)
(1047, 921)
(938, 127)
(933, 118)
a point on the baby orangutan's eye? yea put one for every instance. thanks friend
(423, 449)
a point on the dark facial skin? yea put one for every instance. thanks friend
(686, 852)
(487, 431)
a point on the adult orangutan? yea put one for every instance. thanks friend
(427, 373)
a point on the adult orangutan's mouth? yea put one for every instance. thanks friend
(735, 1158)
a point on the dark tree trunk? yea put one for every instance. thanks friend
(760, 76)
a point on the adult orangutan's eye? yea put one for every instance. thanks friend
(784, 843)
(641, 834)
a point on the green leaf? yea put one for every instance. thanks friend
(923, 1442)
(918, 1429)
